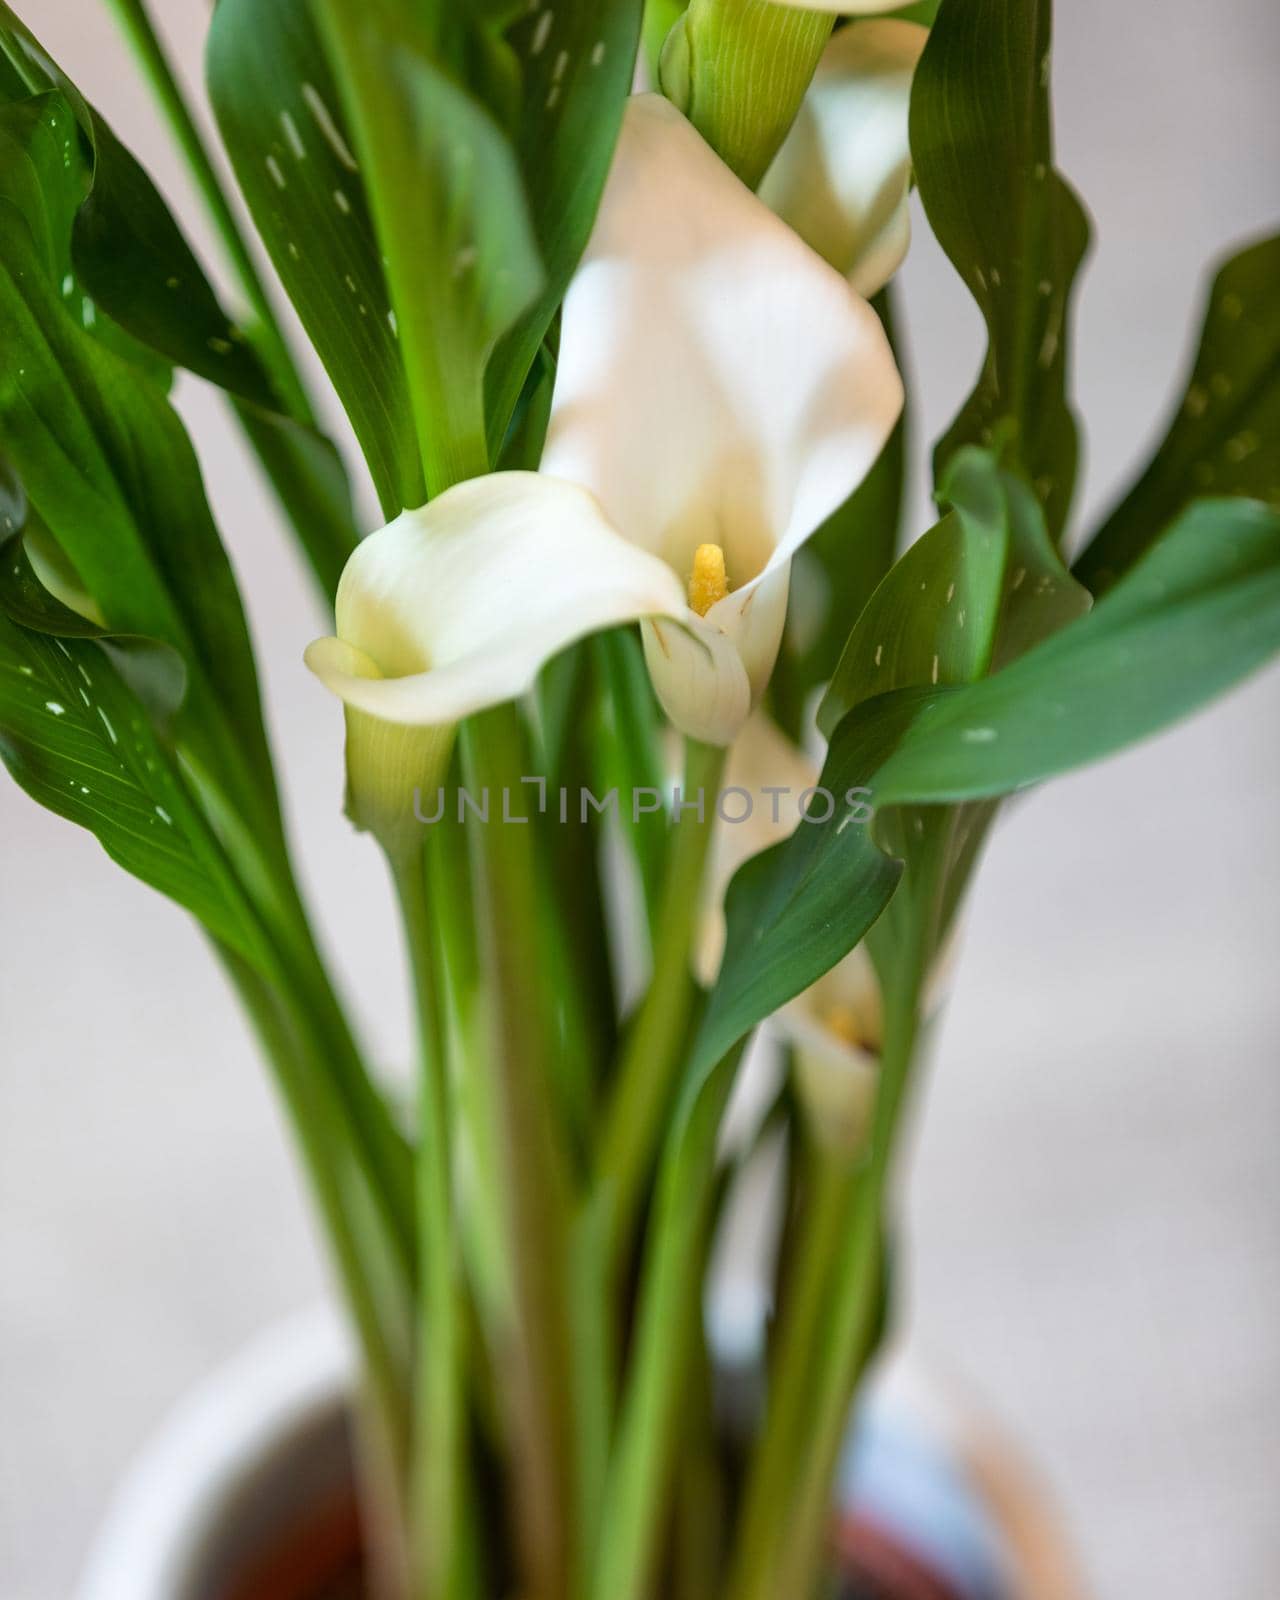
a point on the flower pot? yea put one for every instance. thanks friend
(246, 1494)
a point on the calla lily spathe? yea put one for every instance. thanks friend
(720, 391)
(455, 607)
(843, 176)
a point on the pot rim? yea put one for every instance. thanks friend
(175, 1495)
(179, 1494)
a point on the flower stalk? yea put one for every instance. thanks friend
(533, 1172)
(444, 1564)
(653, 1050)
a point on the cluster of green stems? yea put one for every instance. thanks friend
(525, 1268)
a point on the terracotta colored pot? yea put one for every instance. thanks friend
(246, 1494)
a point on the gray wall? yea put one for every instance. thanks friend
(1093, 1208)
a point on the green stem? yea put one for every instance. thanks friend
(637, 1495)
(653, 1051)
(135, 22)
(828, 1334)
(802, 1334)
(440, 1513)
(534, 1170)
(322, 1137)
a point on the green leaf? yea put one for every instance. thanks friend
(47, 174)
(54, 603)
(109, 469)
(1225, 437)
(274, 96)
(981, 146)
(1198, 613)
(739, 69)
(81, 745)
(451, 217)
(128, 252)
(978, 589)
(114, 245)
(577, 59)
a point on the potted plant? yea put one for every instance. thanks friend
(679, 750)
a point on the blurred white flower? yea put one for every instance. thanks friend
(843, 176)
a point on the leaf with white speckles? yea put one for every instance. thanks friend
(282, 122)
(978, 589)
(1225, 436)
(451, 217)
(577, 58)
(128, 255)
(982, 149)
(103, 456)
(77, 741)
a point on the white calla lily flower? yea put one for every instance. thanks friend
(835, 1032)
(843, 176)
(720, 390)
(455, 607)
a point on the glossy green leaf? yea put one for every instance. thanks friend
(128, 252)
(576, 61)
(47, 172)
(977, 590)
(282, 123)
(1199, 612)
(1225, 437)
(739, 69)
(451, 217)
(981, 145)
(43, 593)
(109, 469)
(81, 745)
(123, 261)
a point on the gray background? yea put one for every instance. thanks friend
(1093, 1205)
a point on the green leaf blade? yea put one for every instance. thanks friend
(109, 469)
(1225, 436)
(981, 144)
(80, 745)
(451, 217)
(281, 120)
(128, 252)
(577, 60)
(1199, 613)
